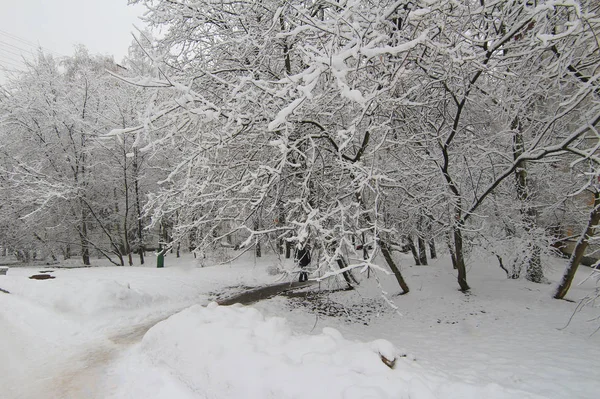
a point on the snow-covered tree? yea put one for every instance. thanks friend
(70, 189)
(323, 121)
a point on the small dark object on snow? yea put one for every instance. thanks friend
(46, 271)
(388, 362)
(41, 277)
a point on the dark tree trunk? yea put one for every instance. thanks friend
(348, 276)
(457, 256)
(258, 249)
(432, 250)
(422, 251)
(85, 250)
(579, 251)
(413, 250)
(452, 255)
(67, 252)
(288, 249)
(136, 187)
(126, 243)
(392, 265)
(83, 236)
(120, 247)
(258, 246)
(459, 259)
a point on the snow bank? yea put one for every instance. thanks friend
(236, 352)
(105, 291)
(79, 295)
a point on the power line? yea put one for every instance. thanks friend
(12, 63)
(10, 52)
(15, 37)
(28, 42)
(11, 59)
(8, 68)
(16, 47)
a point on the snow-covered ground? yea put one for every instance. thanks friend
(141, 332)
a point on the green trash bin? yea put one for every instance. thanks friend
(160, 258)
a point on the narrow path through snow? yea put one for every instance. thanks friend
(265, 292)
(86, 374)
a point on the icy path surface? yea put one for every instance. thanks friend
(59, 337)
(47, 355)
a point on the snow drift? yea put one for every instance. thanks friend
(236, 352)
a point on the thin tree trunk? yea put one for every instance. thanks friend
(459, 258)
(288, 249)
(120, 248)
(126, 244)
(432, 250)
(452, 256)
(136, 187)
(579, 251)
(286, 48)
(413, 250)
(85, 250)
(45, 244)
(422, 251)
(392, 265)
(348, 276)
(365, 251)
(501, 263)
(535, 272)
(258, 249)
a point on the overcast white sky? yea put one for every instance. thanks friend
(103, 26)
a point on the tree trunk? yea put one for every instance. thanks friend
(67, 252)
(126, 243)
(258, 249)
(136, 187)
(288, 249)
(501, 263)
(458, 258)
(535, 272)
(350, 280)
(365, 251)
(432, 250)
(579, 251)
(413, 250)
(392, 265)
(85, 250)
(452, 256)
(422, 251)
